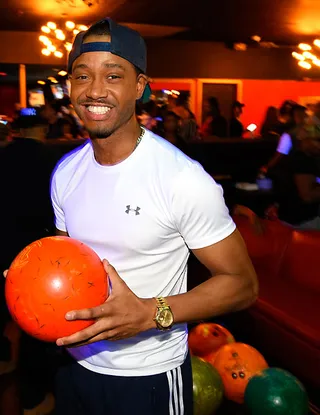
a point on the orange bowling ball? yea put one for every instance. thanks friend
(206, 338)
(236, 364)
(50, 277)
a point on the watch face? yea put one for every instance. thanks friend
(165, 318)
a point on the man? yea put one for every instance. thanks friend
(140, 203)
(236, 126)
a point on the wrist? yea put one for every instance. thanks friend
(150, 307)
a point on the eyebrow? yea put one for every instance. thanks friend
(114, 65)
(107, 65)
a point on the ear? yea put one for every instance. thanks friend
(142, 81)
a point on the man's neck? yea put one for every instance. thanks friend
(118, 146)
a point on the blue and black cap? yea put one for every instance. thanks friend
(124, 42)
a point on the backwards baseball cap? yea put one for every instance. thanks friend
(124, 42)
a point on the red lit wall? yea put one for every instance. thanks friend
(9, 96)
(259, 94)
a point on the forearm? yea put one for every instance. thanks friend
(275, 159)
(218, 295)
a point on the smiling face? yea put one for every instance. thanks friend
(104, 90)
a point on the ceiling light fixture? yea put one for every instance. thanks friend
(73, 3)
(304, 46)
(307, 55)
(256, 38)
(58, 41)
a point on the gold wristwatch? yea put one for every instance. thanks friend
(164, 315)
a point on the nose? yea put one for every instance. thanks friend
(97, 89)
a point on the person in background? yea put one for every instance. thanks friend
(4, 131)
(68, 113)
(171, 123)
(288, 139)
(286, 116)
(188, 125)
(271, 125)
(314, 117)
(236, 129)
(297, 188)
(26, 165)
(58, 126)
(215, 125)
(148, 115)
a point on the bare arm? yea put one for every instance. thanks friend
(232, 287)
(273, 162)
(308, 188)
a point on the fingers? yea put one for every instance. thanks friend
(87, 314)
(85, 336)
(5, 273)
(109, 268)
(116, 281)
(98, 338)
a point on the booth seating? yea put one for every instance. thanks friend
(286, 316)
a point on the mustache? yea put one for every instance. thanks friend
(95, 102)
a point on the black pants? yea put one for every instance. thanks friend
(82, 392)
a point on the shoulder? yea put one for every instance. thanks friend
(168, 156)
(72, 160)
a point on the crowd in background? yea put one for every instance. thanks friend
(27, 164)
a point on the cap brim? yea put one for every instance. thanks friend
(146, 94)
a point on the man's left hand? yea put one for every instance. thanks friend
(123, 315)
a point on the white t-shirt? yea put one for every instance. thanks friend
(285, 144)
(143, 215)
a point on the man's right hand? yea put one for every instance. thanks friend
(5, 273)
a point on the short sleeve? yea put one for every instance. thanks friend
(199, 209)
(285, 144)
(58, 211)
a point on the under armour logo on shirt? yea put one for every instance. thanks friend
(128, 210)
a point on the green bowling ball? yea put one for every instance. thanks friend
(275, 392)
(207, 387)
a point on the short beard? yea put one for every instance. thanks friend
(100, 133)
(95, 134)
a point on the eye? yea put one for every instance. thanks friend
(242, 375)
(234, 375)
(113, 77)
(81, 77)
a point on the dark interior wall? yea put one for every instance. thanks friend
(182, 59)
(175, 58)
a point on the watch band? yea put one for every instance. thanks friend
(163, 306)
(161, 302)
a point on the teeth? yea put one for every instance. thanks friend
(98, 110)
